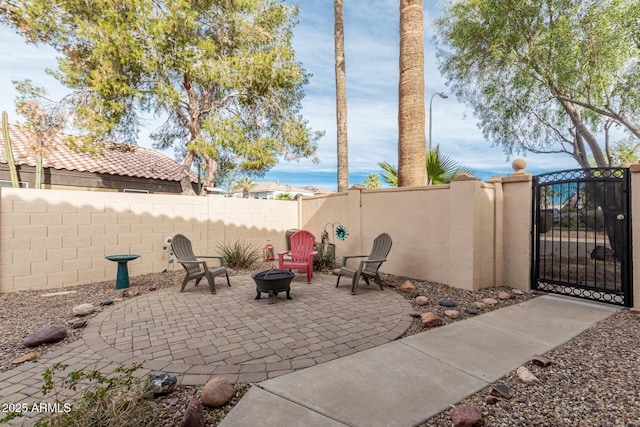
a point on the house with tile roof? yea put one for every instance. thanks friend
(270, 190)
(124, 168)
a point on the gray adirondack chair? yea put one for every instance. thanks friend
(368, 269)
(196, 268)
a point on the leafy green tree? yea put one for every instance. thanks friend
(222, 74)
(545, 76)
(441, 169)
(622, 153)
(372, 182)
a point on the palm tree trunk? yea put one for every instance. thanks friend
(341, 98)
(411, 138)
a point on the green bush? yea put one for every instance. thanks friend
(325, 260)
(569, 220)
(121, 399)
(239, 254)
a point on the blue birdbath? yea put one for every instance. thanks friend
(122, 278)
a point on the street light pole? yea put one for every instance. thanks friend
(443, 96)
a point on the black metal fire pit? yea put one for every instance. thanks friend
(273, 281)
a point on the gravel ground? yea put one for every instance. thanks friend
(594, 377)
(593, 380)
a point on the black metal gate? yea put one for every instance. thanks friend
(582, 234)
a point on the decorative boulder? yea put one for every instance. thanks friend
(48, 334)
(525, 375)
(217, 392)
(504, 295)
(490, 301)
(602, 253)
(466, 416)
(193, 416)
(447, 303)
(422, 300)
(162, 384)
(430, 320)
(452, 314)
(407, 286)
(83, 309)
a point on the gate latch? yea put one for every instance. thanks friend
(620, 217)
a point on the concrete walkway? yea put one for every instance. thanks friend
(405, 382)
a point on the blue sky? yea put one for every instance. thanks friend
(371, 50)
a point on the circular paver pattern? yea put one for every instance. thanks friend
(197, 334)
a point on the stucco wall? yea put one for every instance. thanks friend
(443, 233)
(57, 238)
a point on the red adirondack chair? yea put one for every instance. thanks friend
(302, 253)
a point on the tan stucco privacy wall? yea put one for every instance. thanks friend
(453, 234)
(59, 238)
(467, 234)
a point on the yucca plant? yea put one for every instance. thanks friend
(239, 254)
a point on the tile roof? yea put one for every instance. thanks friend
(292, 189)
(140, 162)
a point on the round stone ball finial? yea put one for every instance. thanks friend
(518, 165)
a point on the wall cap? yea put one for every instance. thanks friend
(465, 177)
(517, 177)
(635, 167)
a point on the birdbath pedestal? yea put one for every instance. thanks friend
(122, 277)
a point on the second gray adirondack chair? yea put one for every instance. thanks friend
(195, 267)
(368, 269)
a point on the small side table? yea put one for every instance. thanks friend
(122, 278)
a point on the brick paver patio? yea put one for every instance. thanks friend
(196, 335)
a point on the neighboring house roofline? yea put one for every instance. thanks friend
(132, 161)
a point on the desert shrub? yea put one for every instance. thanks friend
(116, 400)
(239, 254)
(326, 259)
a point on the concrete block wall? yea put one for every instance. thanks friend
(59, 238)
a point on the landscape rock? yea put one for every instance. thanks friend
(447, 303)
(525, 375)
(407, 286)
(540, 360)
(48, 334)
(193, 416)
(430, 320)
(162, 384)
(336, 271)
(77, 324)
(602, 253)
(416, 314)
(504, 295)
(517, 292)
(83, 309)
(501, 390)
(490, 301)
(471, 311)
(491, 400)
(414, 293)
(422, 300)
(106, 302)
(24, 358)
(452, 314)
(466, 416)
(478, 305)
(216, 392)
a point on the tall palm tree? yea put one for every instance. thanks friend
(440, 168)
(411, 127)
(341, 97)
(245, 183)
